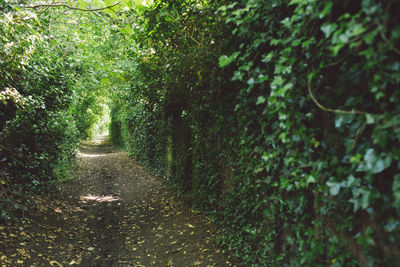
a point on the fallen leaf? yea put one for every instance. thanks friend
(55, 263)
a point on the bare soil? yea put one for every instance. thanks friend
(113, 213)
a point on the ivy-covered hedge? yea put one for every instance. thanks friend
(281, 117)
(318, 116)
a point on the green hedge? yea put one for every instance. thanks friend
(43, 110)
(37, 131)
(279, 116)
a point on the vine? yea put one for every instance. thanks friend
(248, 141)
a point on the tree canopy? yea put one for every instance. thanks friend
(280, 118)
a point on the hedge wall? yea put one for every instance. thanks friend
(281, 118)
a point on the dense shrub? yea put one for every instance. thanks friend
(282, 117)
(39, 131)
(43, 110)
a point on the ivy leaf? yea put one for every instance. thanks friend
(352, 181)
(327, 9)
(365, 199)
(328, 28)
(396, 190)
(238, 75)
(373, 163)
(356, 204)
(370, 119)
(224, 61)
(343, 119)
(250, 81)
(396, 196)
(310, 179)
(261, 100)
(334, 188)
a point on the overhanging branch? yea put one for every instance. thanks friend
(70, 7)
(354, 111)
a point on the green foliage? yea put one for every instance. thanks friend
(39, 131)
(137, 120)
(281, 116)
(317, 162)
(47, 104)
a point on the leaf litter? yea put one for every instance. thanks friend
(112, 214)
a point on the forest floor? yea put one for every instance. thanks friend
(113, 213)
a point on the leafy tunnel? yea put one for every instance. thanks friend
(278, 118)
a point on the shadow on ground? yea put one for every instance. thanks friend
(112, 214)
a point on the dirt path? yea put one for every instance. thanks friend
(113, 214)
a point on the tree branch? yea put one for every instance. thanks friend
(70, 7)
(330, 109)
(37, 15)
(389, 43)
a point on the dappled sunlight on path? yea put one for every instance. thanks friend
(112, 214)
(108, 198)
